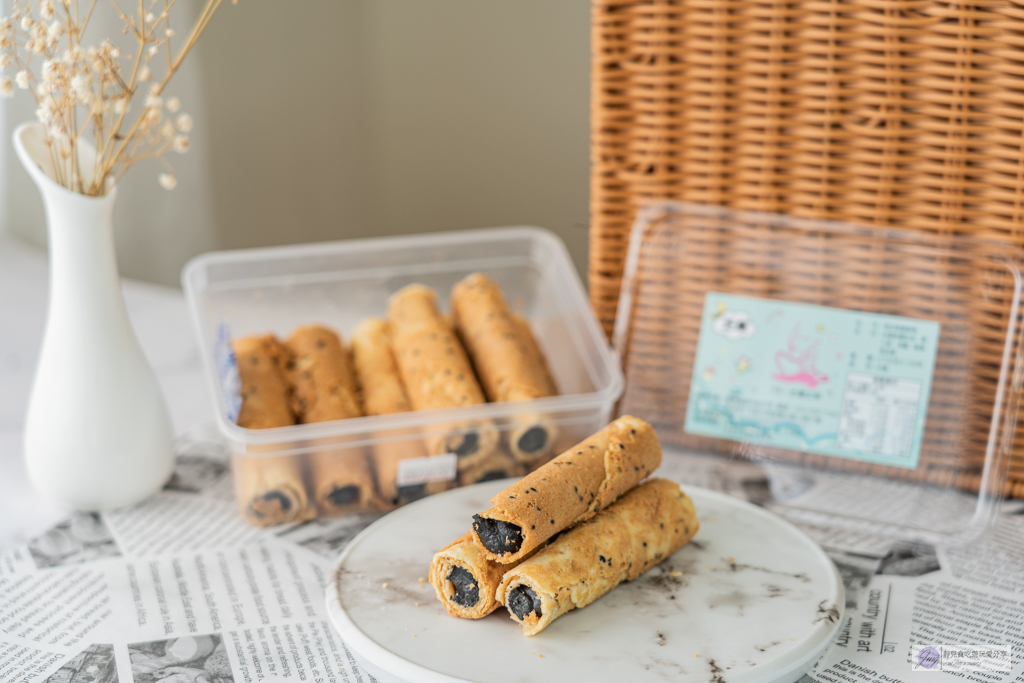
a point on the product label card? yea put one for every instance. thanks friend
(227, 371)
(812, 378)
(412, 471)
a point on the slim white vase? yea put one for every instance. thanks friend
(97, 435)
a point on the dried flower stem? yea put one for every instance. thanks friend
(86, 92)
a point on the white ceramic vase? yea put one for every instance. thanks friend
(97, 435)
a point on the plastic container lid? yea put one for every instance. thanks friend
(872, 376)
(253, 291)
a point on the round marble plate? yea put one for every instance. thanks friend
(751, 599)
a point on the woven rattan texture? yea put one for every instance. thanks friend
(966, 286)
(905, 113)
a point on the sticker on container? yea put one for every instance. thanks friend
(812, 378)
(227, 371)
(412, 471)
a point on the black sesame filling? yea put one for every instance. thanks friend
(493, 475)
(498, 536)
(269, 497)
(407, 494)
(467, 590)
(470, 444)
(344, 495)
(534, 439)
(522, 600)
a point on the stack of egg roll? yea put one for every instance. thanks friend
(567, 533)
(437, 374)
(418, 359)
(507, 360)
(307, 379)
(324, 388)
(269, 490)
(384, 394)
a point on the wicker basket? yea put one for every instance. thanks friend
(907, 114)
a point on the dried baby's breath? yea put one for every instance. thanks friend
(85, 92)
(167, 181)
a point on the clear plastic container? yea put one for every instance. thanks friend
(855, 379)
(338, 284)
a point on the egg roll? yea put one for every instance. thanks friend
(323, 389)
(376, 370)
(341, 481)
(320, 373)
(619, 544)
(437, 373)
(387, 458)
(384, 394)
(465, 580)
(507, 359)
(570, 489)
(269, 490)
(498, 465)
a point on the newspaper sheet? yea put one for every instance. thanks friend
(178, 589)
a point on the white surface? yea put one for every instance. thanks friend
(95, 413)
(160, 320)
(750, 603)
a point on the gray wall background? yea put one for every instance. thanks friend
(333, 119)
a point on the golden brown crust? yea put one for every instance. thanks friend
(320, 372)
(532, 349)
(465, 553)
(265, 393)
(637, 532)
(578, 483)
(523, 439)
(383, 391)
(384, 394)
(504, 351)
(436, 373)
(386, 457)
(270, 490)
(432, 362)
(341, 481)
(498, 465)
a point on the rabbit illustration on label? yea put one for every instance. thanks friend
(799, 367)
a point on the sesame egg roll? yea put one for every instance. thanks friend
(323, 386)
(570, 489)
(437, 374)
(465, 580)
(384, 394)
(269, 490)
(619, 544)
(535, 436)
(507, 359)
(324, 389)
